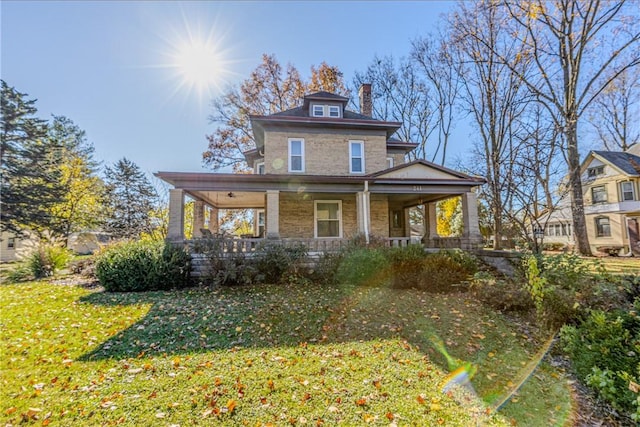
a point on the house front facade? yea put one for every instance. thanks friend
(611, 192)
(322, 172)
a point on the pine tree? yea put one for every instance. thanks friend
(30, 176)
(130, 199)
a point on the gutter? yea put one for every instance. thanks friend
(365, 209)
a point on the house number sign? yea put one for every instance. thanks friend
(417, 188)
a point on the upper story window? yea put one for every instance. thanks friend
(296, 155)
(318, 110)
(599, 194)
(627, 191)
(322, 110)
(595, 171)
(603, 227)
(11, 243)
(259, 168)
(356, 156)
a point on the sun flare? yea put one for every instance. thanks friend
(198, 65)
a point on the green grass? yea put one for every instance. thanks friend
(261, 355)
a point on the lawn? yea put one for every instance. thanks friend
(263, 355)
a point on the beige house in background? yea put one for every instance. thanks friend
(323, 173)
(611, 190)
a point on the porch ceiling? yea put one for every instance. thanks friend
(230, 199)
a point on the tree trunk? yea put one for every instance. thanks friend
(577, 200)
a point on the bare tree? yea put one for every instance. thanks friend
(615, 112)
(494, 96)
(578, 48)
(441, 72)
(400, 94)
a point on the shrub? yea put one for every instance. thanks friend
(605, 350)
(407, 265)
(363, 267)
(278, 263)
(326, 268)
(444, 271)
(143, 266)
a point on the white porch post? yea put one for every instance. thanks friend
(176, 215)
(363, 214)
(431, 221)
(198, 218)
(470, 218)
(214, 224)
(273, 214)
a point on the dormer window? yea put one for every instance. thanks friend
(318, 110)
(321, 110)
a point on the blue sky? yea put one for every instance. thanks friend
(111, 66)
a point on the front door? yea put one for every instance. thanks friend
(634, 235)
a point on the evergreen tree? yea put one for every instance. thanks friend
(130, 199)
(30, 176)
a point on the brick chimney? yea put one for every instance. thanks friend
(366, 108)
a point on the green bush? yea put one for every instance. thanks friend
(445, 272)
(407, 265)
(325, 271)
(143, 266)
(278, 263)
(605, 353)
(363, 267)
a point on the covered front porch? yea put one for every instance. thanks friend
(324, 212)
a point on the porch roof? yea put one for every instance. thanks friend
(237, 191)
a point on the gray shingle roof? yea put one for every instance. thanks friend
(627, 162)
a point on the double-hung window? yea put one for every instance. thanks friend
(356, 157)
(296, 155)
(318, 110)
(328, 218)
(627, 191)
(599, 194)
(603, 227)
(334, 111)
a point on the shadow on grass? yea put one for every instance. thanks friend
(200, 320)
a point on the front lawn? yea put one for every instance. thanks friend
(263, 355)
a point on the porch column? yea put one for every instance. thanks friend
(431, 221)
(214, 225)
(470, 218)
(175, 229)
(273, 214)
(406, 212)
(198, 218)
(363, 214)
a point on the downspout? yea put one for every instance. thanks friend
(365, 211)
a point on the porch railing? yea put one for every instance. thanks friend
(248, 245)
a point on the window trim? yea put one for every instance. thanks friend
(257, 169)
(595, 171)
(598, 229)
(361, 157)
(633, 190)
(290, 156)
(315, 219)
(337, 108)
(606, 194)
(390, 162)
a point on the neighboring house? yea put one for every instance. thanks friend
(323, 173)
(9, 243)
(611, 191)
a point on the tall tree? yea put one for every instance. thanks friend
(442, 74)
(82, 205)
(494, 96)
(578, 47)
(615, 112)
(270, 88)
(29, 179)
(130, 199)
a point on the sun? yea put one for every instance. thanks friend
(196, 57)
(199, 65)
